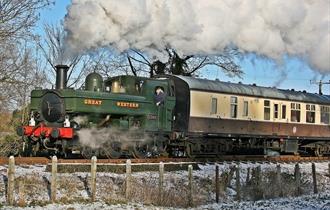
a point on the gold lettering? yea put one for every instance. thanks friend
(127, 104)
(92, 102)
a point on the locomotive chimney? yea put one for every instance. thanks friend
(61, 76)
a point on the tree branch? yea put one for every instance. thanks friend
(131, 65)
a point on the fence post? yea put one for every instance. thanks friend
(93, 178)
(217, 183)
(258, 183)
(297, 178)
(278, 181)
(314, 178)
(247, 175)
(161, 182)
(53, 183)
(21, 193)
(238, 184)
(190, 186)
(11, 181)
(128, 178)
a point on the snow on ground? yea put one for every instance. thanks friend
(73, 189)
(310, 202)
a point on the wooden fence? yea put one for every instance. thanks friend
(256, 173)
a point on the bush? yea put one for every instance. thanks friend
(10, 144)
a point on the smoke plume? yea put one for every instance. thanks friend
(271, 28)
(98, 138)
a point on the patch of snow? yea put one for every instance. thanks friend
(73, 187)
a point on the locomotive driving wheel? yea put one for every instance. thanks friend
(141, 151)
(147, 150)
(29, 148)
(112, 150)
(318, 151)
(26, 148)
(190, 151)
(88, 152)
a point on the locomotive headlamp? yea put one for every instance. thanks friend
(32, 122)
(67, 122)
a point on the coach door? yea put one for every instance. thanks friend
(168, 108)
(276, 117)
(165, 110)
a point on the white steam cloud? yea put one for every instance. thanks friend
(99, 138)
(271, 28)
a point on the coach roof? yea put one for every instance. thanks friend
(252, 90)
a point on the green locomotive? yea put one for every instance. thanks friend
(118, 115)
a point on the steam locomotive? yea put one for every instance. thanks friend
(119, 117)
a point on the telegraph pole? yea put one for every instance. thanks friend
(320, 83)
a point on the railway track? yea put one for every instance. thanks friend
(231, 158)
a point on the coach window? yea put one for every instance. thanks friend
(214, 104)
(246, 109)
(295, 112)
(310, 113)
(233, 107)
(275, 111)
(267, 110)
(325, 114)
(283, 111)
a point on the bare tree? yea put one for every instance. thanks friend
(224, 62)
(18, 17)
(188, 65)
(110, 63)
(17, 65)
(53, 48)
(19, 75)
(104, 61)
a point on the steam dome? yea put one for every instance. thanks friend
(93, 82)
